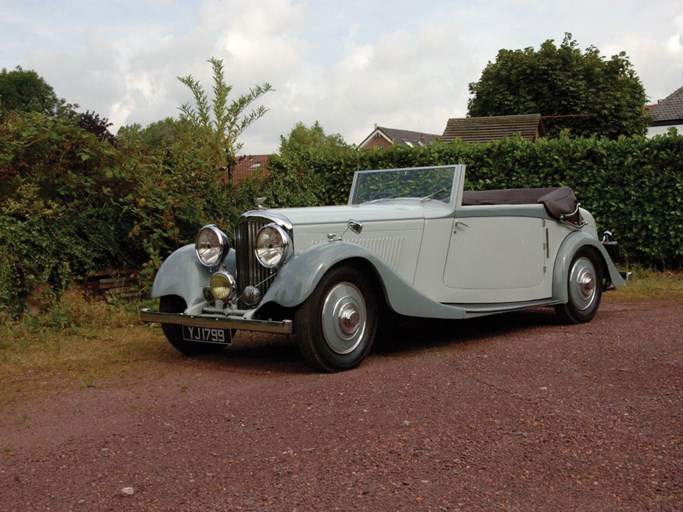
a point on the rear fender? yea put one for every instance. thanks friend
(573, 243)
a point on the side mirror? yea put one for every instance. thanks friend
(355, 226)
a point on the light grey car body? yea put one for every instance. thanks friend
(421, 257)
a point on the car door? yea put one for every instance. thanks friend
(497, 256)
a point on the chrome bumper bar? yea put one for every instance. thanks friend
(219, 322)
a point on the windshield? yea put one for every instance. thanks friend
(423, 183)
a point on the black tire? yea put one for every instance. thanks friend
(337, 325)
(584, 288)
(174, 333)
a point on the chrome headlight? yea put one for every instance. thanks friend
(222, 285)
(273, 246)
(211, 246)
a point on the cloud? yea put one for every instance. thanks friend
(402, 80)
(347, 64)
(347, 76)
(656, 54)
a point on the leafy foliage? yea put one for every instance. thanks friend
(581, 91)
(26, 91)
(72, 203)
(296, 173)
(93, 123)
(60, 215)
(303, 140)
(222, 120)
(75, 199)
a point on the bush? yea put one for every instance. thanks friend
(73, 203)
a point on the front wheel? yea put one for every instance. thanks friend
(584, 288)
(336, 326)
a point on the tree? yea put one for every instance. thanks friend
(303, 139)
(157, 135)
(98, 126)
(26, 91)
(224, 121)
(579, 91)
(292, 178)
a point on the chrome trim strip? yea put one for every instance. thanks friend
(267, 217)
(219, 322)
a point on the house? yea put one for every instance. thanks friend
(486, 129)
(667, 113)
(382, 137)
(248, 165)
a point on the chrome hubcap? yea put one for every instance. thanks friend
(344, 318)
(349, 319)
(586, 285)
(582, 284)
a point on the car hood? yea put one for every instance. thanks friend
(367, 212)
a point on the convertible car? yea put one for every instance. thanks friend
(409, 241)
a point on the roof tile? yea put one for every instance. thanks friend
(669, 109)
(484, 129)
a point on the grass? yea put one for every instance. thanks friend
(88, 343)
(76, 343)
(651, 285)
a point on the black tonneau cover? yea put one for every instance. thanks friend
(559, 202)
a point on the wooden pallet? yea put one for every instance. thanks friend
(112, 283)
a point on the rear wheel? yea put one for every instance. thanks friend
(174, 333)
(584, 288)
(336, 326)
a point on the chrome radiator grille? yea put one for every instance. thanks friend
(249, 271)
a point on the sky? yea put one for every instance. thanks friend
(348, 64)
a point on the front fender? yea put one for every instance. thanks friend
(568, 249)
(182, 274)
(299, 277)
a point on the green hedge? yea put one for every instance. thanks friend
(633, 186)
(71, 204)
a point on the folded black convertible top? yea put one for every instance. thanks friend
(559, 202)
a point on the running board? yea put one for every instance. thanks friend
(476, 310)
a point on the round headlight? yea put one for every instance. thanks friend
(272, 246)
(222, 285)
(211, 246)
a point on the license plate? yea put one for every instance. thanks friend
(207, 335)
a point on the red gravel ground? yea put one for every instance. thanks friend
(502, 413)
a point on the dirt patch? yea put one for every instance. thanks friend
(512, 412)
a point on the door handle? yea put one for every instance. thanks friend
(458, 223)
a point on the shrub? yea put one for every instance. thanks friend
(72, 203)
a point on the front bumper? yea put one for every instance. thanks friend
(219, 322)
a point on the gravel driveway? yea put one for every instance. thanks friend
(502, 413)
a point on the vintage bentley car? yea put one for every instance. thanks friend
(409, 242)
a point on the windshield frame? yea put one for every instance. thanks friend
(360, 194)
